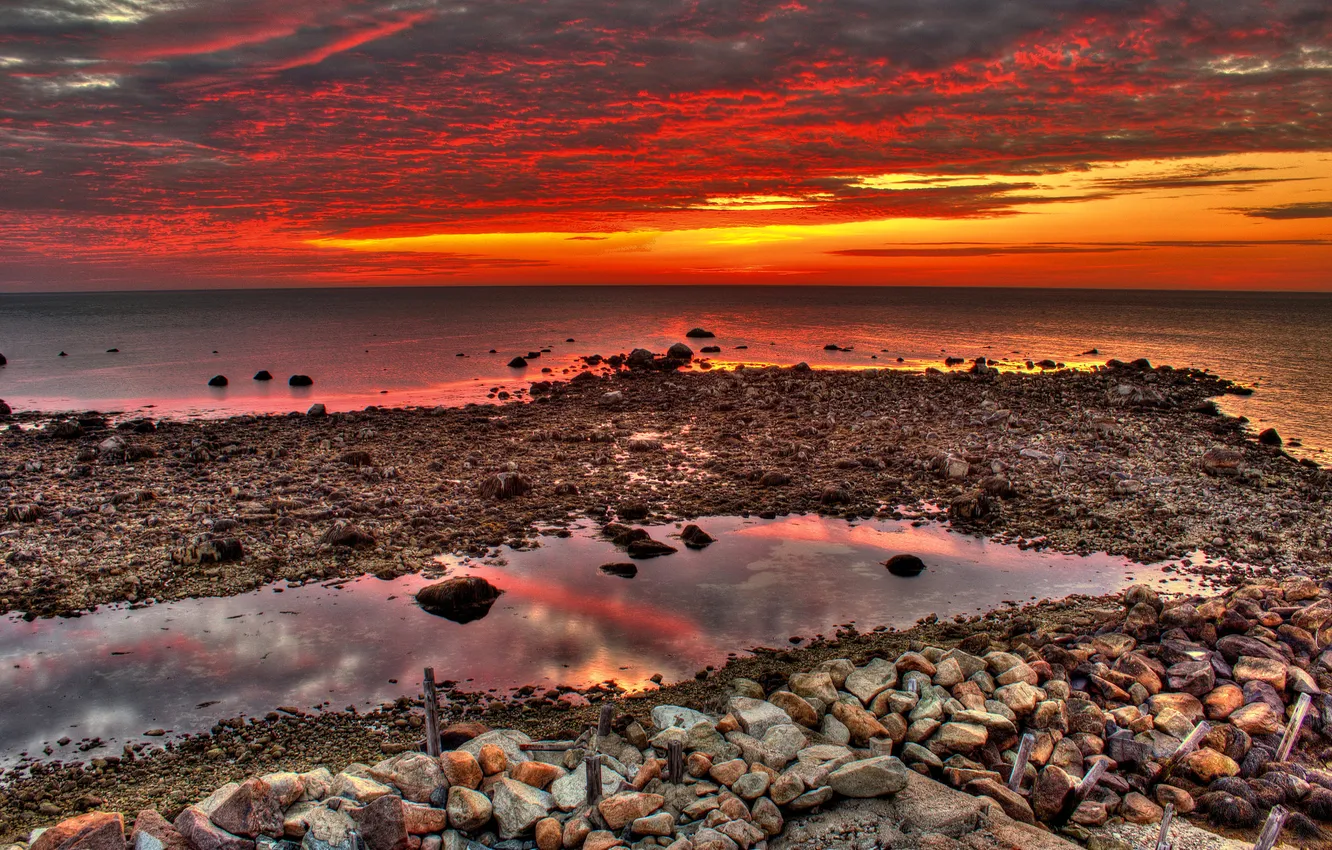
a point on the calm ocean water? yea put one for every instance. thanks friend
(401, 346)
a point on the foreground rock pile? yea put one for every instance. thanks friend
(1127, 695)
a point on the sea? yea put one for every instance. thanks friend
(153, 353)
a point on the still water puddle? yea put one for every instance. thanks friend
(179, 666)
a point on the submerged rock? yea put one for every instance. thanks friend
(623, 570)
(696, 538)
(461, 599)
(905, 565)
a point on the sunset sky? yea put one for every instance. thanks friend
(210, 143)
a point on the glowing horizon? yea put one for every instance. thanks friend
(1077, 143)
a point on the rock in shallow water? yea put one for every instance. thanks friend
(905, 565)
(462, 599)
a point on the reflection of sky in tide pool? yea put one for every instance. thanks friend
(182, 665)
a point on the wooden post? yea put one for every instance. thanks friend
(1019, 769)
(1083, 790)
(432, 714)
(1163, 837)
(1272, 829)
(604, 721)
(675, 761)
(593, 764)
(1185, 747)
(1292, 735)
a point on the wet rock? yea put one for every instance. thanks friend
(696, 538)
(905, 565)
(462, 599)
(621, 569)
(649, 548)
(300, 381)
(263, 375)
(1269, 437)
(217, 381)
(317, 411)
(699, 333)
(680, 351)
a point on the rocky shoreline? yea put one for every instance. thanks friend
(1126, 459)
(1112, 715)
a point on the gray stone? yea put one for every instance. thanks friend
(875, 777)
(871, 680)
(666, 716)
(518, 807)
(756, 716)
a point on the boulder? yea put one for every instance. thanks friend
(518, 806)
(468, 810)
(620, 810)
(217, 381)
(300, 381)
(91, 831)
(905, 565)
(202, 834)
(873, 777)
(504, 485)
(382, 824)
(461, 599)
(756, 716)
(251, 810)
(700, 333)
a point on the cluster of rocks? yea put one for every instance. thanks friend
(740, 779)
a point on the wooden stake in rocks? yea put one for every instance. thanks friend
(1163, 838)
(1188, 745)
(1019, 769)
(1293, 727)
(604, 721)
(1272, 829)
(432, 714)
(675, 761)
(593, 764)
(1083, 790)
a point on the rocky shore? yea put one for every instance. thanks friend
(1034, 735)
(1127, 458)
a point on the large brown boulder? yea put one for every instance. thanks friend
(93, 831)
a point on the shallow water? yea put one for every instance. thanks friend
(179, 666)
(400, 346)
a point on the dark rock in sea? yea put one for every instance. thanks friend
(5, 409)
(517, 363)
(347, 536)
(1047, 364)
(300, 381)
(699, 333)
(1090, 351)
(680, 351)
(317, 411)
(1270, 437)
(954, 361)
(623, 570)
(505, 485)
(113, 351)
(1142, 363)
(639, 358)
(623, 535)
(461, 599)
(532, 355)
(217, 381)
(710, 349)
(571, 339)
(832, 346)
(905, 565)
(802, 366)
(633, 510)
(62, 354)
(696, 538)
(3, 361)
(649, 548)
(263, 375)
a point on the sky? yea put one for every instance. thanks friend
(1099, 143)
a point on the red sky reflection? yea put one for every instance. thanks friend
(183, 143)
